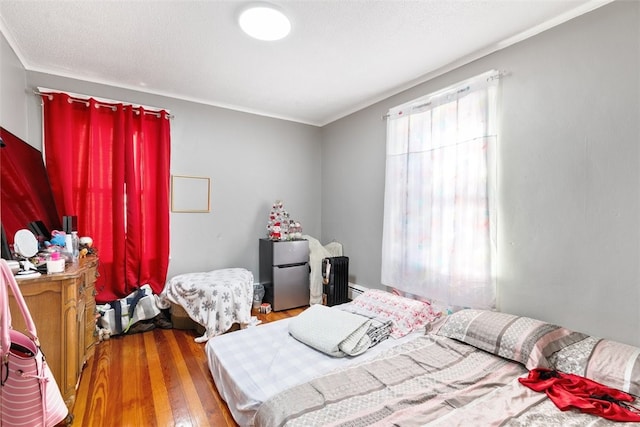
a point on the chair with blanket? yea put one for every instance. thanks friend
(216, 299)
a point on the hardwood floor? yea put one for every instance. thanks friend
(156, 378)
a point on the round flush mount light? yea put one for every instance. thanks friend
(264, 22)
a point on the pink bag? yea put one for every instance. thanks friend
(29, 394)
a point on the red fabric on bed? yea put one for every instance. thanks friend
(569, 391)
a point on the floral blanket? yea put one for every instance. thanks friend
(215, 299)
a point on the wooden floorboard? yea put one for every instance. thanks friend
(156, 378)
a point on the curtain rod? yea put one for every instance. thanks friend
(497, 76)
(85, 98)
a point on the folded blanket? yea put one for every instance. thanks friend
(379, 328)
(331, 331)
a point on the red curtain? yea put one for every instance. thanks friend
(109, 165)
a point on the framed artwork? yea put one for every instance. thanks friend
(190, 194)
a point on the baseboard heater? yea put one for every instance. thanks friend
(356, 290)
(335, 280)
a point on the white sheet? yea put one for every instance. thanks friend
(250, 365)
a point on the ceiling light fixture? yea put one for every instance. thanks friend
(264, 22)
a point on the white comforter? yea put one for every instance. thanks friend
(215, 299)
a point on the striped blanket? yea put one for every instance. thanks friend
(432, 380)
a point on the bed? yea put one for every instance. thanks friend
(253, 364)
(469, 369)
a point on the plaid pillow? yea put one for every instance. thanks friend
(608, 362)
(517, 338)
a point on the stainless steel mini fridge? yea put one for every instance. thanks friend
(284, 273)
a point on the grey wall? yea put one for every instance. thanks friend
(569, 235)
(13, 103)
(251, 160)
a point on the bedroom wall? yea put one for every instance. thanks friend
(569, 239)
(251, 160)
(13, 103)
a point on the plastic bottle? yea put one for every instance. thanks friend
(75, 244)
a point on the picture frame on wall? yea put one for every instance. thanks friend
(191, 194)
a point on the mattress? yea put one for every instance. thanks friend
(251, 365)
(436, 380)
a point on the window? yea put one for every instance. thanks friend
(439, 190)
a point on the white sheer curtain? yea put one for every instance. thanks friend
(440, 184)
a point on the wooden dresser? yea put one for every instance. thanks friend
(63, 309)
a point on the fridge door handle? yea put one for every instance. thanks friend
(290, 265)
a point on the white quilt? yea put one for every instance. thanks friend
(331, 331)
(215, 299)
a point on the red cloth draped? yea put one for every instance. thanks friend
(569, 391)
(109, 165)
(25, 192)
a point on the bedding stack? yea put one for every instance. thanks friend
(333, 332)
(350, 329)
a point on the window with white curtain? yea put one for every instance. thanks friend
(439, 205)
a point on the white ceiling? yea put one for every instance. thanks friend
(341, 56)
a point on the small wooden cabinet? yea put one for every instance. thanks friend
(63, 309)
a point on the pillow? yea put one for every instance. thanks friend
(406, 315)
(517, 338)
(608, 362)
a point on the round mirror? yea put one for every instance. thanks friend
(25, 243)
